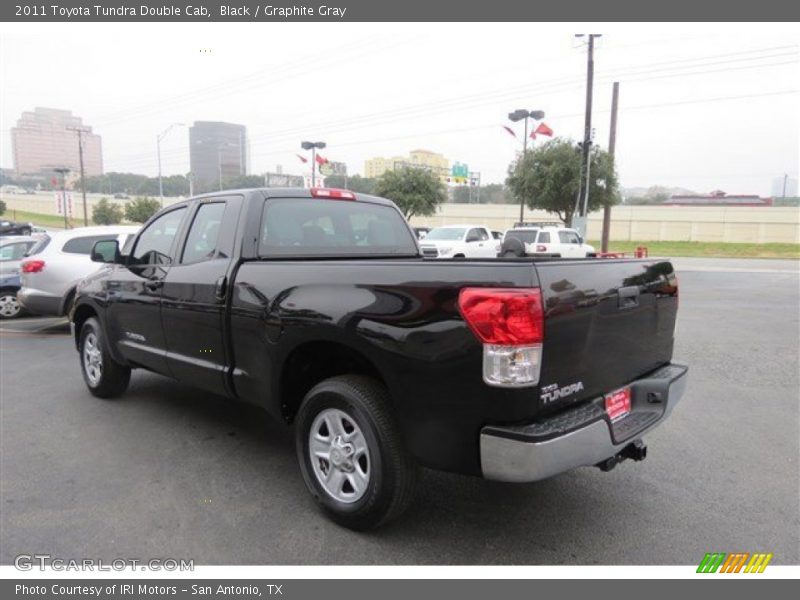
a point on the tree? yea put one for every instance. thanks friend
(356, 183)
(141, 209)
(415, 191)
(2, 207)
(548, 178)
(105, 213)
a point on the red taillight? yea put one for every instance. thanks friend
(541, 248)
(618, 404)
(332, 194)
(505, 317)
(32, 266)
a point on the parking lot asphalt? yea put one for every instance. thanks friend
(167, 471)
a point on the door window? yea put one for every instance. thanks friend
(544, 237)
(573, 237)
(155, 243)
(202, 243)
(563, 237)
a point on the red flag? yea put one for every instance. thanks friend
(321, 160)
(303, 159)
(509, 130)
(544, 130)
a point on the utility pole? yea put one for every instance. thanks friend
(612, 144)
(80, 133)
(583, 206)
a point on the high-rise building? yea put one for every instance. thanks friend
(217, 151)
(45, 138)
(375, 167)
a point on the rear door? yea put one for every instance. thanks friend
(195, 290)
(607, 322)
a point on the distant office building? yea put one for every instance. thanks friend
(217, 151)
(717, 198)
(375, 167)
(778, 187)
(46, 138)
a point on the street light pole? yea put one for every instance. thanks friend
(160, 137)
(313, 147)
(519, 115)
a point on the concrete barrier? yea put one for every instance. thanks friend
(647, 223)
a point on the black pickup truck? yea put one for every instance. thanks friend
(318, 306)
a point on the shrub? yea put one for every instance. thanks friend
(141, 209)
(106, 213)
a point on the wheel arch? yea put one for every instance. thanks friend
(312, 362)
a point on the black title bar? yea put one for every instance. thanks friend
(400, 10)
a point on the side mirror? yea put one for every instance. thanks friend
(106, 251)
(580, 240)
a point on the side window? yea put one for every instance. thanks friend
(155, 242)
(203, 238)
(564, 238)
(544, 237)
(474, 234)
(84, 245)
(573, 238)
(484, 234)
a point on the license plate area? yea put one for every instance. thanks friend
(618, 404)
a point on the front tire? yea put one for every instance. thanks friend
(104, 377)
(352, 454)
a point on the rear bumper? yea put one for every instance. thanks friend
(39, 302)
(582, 436)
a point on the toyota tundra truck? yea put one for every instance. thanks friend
(317, 305)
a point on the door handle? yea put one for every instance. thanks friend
(221, 287)
(154, 284)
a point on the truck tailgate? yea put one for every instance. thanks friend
(607, 322)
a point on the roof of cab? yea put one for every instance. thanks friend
(293, 192)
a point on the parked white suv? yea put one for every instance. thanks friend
(545, 240)
(58, 261)
(460, 241)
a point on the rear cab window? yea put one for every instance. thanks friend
(333, 228)
(526, 236)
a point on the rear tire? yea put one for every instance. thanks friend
(9, 305)
(351, 452)
(104, 377)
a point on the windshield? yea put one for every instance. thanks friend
(526, 236)
(446, 233)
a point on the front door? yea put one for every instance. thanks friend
(195, 292)
(134, 293)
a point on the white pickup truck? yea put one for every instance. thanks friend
(546, 240)
(460, 241)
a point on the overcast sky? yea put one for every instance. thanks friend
(701, 107)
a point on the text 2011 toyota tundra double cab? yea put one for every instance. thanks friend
(317, 305)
